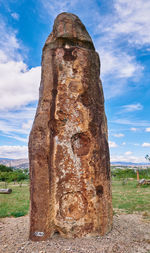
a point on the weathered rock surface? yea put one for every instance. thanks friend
(68, 147)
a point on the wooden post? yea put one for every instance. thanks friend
(138, 177)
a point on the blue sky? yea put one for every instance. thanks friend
(120, 30)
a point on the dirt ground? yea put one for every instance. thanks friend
(130, 234)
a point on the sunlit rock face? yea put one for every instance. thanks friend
(68, 148)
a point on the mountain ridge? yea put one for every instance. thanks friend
(21, 163)
(24, 163)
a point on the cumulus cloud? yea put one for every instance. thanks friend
(133, 129)
(147, 129)
(112, 144)
(13, 152)
(18, 83)
(146, 144)
(128, 153)
(118, 135)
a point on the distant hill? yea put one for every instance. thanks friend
(24, 163)
(130, 164)
(15, 163)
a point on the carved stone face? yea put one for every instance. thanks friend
(69, 26)
(69, 31)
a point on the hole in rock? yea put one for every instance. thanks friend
(99, 190)
(56, 233)
(80, 144)
(69, 56)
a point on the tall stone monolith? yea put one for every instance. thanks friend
(68, 147)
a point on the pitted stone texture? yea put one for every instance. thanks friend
(68, 147)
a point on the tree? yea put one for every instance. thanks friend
(20, 177)
(4, 168)
(8, 174)
(4, 177)
(147, 157)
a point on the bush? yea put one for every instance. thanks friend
(130, 173)
(4, 168)
(8, 175)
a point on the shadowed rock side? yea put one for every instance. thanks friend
(68, 148)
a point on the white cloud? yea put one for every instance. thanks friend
(123, 143)
(128, 153)
(147, 129)
(15, 15)
(117, 63)
(118, 66)
(126, 121)
(133, 20)
(18, 87)
(112, 144)
(146, 144)
(18, 84)
(132, 107)
(118, 135)
(133, 129)
(125, 158)
(9, 44)
(13, 152)
(128, 23)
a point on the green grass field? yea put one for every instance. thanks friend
(15, 204)
(129, 198)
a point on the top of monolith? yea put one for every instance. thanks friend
(68, 30)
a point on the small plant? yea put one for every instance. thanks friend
(124, 181)
(18, 213)
(147, 157)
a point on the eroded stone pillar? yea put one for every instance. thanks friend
(68, 147)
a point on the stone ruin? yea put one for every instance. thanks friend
(68, 146)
